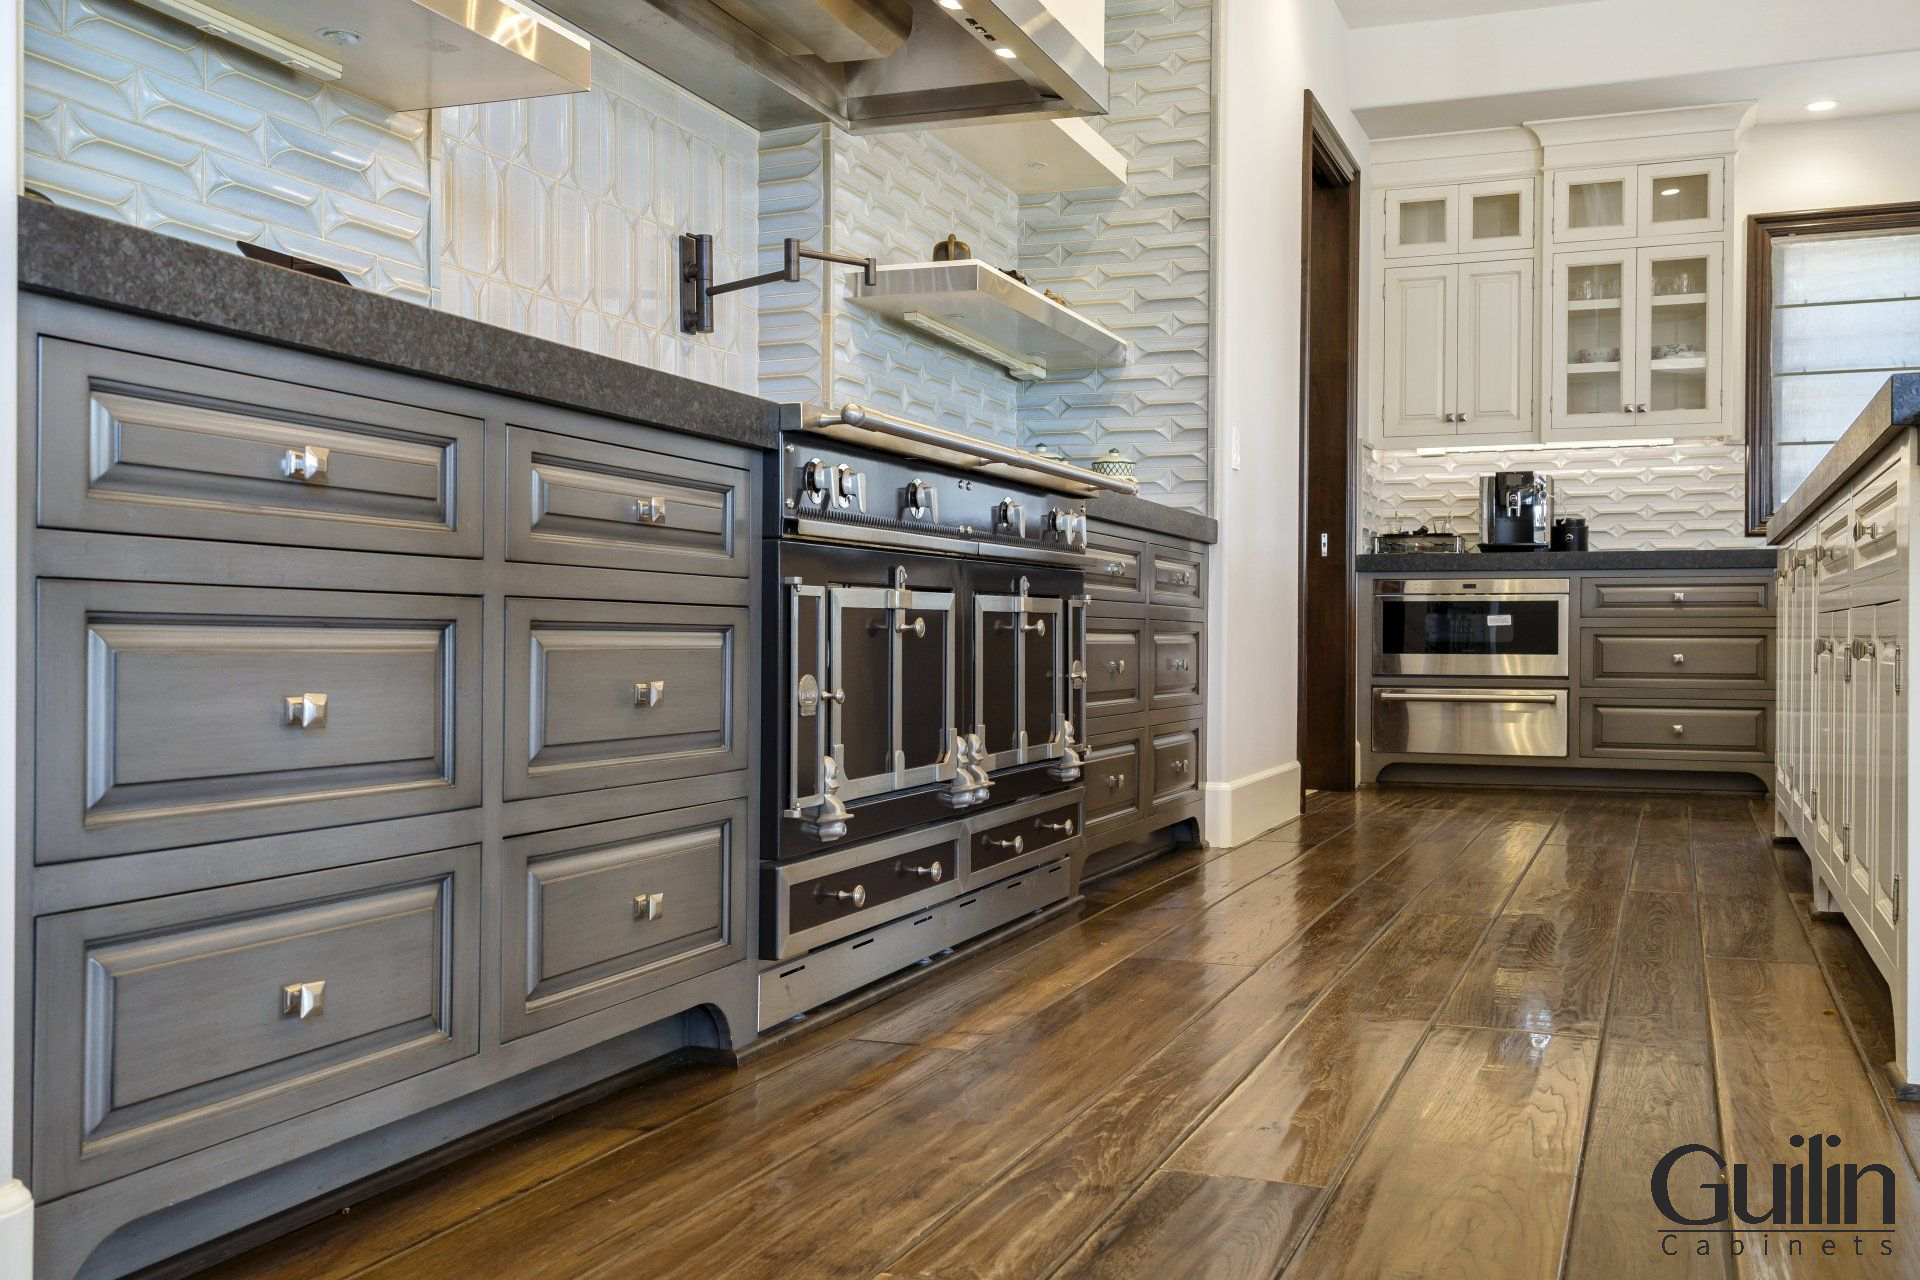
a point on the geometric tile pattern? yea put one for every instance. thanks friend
(793, 318)
(561, 217)
(135, 117)
(1690, 494)
(1138, 260)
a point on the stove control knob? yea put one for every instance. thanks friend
(850, 488)
(817, 482)
(919, 499)
(1009, 517)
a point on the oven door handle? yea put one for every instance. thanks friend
(1399, 695)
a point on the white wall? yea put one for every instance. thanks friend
(16, 1209)
(1270, 53)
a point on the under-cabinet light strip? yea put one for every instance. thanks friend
(1435, 451)
(1025, 370)
(224, 26)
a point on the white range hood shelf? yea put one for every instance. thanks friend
(983, 310)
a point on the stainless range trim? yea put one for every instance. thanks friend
(936, 444)
(853, 535)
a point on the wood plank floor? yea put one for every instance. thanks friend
(1411, 1033)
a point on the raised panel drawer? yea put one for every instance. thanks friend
(1116, 652)
(1750, 597)
(1879, 509)
(1000, 846)
(173, 715)
(817, 900)
(1177, 678)
(1689, 732)
(603, 914)
(1114, 569)
(601, 694)
(580, 502)
(1176, 764)
(171, 1024)
(136, 444)
(1111, 776)
(1176, 579)
(1743, 659)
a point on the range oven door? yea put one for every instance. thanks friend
(873, 708)
(1029, 679)
(1489, 627)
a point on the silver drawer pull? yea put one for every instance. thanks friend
(1017, 844)
(1679, 659)
(1118, 667)
(1862, 649)
(648, 693)
(1113, 781)
(1863, 531)
(1064, 827)
(650, 511)
(1113, 569)
(649, 906)
(1179, 766)
(838, 697)
(1679, 597)
(307, 710)
(932, 871)
(308, 465)
(1177, 664)
(1037, 627)
(917, 628)
(856, 895)
(1679, 729)
(303, 999)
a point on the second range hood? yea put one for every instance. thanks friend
(865, 65)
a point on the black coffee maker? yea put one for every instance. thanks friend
(1516, 511)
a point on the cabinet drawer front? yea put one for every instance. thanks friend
(1879, 509)
(606, 506)
(604, 694)
(171, 1024)
(1718, 597)
(1176, 579)
(1115, 649)
(1709, 732)
(1176, 763)
(817, 900)
(1177, 680)
(603, 914)
(1111, 776)
(183, 715)
(136, 444)
(1742, 659)
(1114, 568)
(1002, 844)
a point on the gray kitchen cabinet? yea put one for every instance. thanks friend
(1179, 679)
(1116, 662)
(1653, 729)
(391, 753)
(1176, 764)
(1114, 782)
(170, 1024)
(1116, 567)
(1694, 658)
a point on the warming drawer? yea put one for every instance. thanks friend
(1470, 722)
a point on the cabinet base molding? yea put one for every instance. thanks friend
(1245, 808)
(16, 1229)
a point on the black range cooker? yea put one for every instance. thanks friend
(927, 686)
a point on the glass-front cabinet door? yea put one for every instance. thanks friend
(1594, 313)
(1595, 204)
(1422, 222)
(1496, 217)
(1683, 199)
(1676, 350)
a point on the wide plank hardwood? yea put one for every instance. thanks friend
(1193, 1225)
(1659, 985)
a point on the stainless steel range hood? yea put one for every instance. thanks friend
(865, 65)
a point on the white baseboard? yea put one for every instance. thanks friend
(1251, 806)
(16, 1231)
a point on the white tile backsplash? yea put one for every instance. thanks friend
(1690, 494)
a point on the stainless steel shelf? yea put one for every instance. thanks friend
(1036, 335)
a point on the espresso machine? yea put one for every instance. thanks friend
(1516, 511)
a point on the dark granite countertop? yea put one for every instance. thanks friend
(76, 255)
(1894, 408)
(1427, 564)
(1154, 517)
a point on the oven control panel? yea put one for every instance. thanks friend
(847, 493)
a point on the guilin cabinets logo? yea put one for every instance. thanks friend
(1823, 1206)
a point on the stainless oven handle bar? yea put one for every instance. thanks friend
(862, 418)
(1397, 695)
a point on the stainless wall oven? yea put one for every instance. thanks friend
(1496, 627)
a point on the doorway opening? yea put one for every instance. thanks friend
(1329, 372)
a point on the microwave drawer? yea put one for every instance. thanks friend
(1470, 722)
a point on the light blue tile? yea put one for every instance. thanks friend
(188, 112)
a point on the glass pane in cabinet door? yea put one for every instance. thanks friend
(1686, 197)
(1496, 216)
(1593, 206)
(1596, 372)
(1423, 222)
(1677, 334)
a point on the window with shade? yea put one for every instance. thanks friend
(1833, 311)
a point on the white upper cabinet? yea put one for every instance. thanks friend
(1460, 218)
(1592, 299)
(1639, 201)
(1459, 353)
(1422, 350)
(1494, 393)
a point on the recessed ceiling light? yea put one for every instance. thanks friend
(1670, 191)
(340, 35)
(1824, 104)
(949, 4)
(1036, 164)
(1005, 52)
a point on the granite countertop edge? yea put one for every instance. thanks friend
(1893, 409)
(1428, 563)
(70, 254)
(1144, 513)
